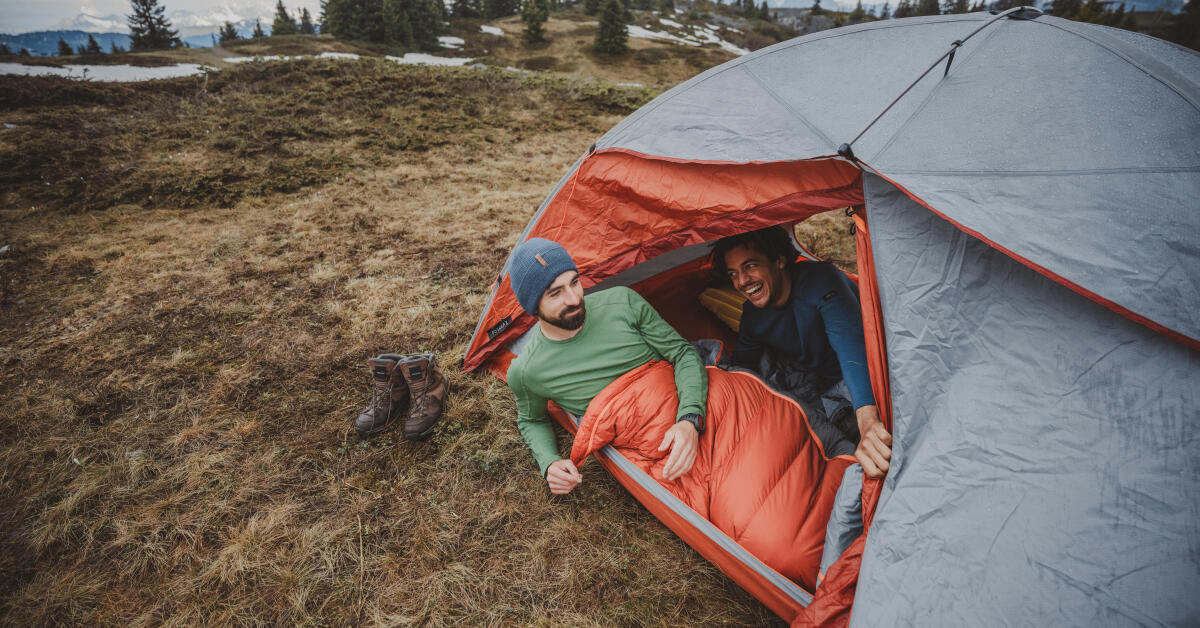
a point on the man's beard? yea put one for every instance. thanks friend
(570, 319)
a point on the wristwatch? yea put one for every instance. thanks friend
(696, 420)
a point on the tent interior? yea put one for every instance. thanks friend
(654, 233)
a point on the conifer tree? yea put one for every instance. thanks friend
(426, 17)
(903, 9)
(764, 12)
(885, 12)
(1186, 31)
(228, 33)
(464, 8)
(534, 16)
(396, 25)
(64, 49)
(1065, 8)
(956, 6)
(591, 7)
(4, 50)
(749, 9)
(858, 13)
(306, 23)
(113, 48)
(816, 8)
(92, 47)
(666, 7)
(612, 35)
(283, 24)
(149, 28)
(258, 31)
(24, 52)
(928, 7)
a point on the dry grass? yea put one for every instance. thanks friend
(179, 373)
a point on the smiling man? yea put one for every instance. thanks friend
(808, 312)
(584, 343)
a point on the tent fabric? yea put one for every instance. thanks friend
(1051, 139)
(760, 474)
(1044, 457)
(1033, 236)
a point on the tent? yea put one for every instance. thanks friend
(1027, 196)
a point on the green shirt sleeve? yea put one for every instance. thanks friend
(533, 422)
(691, 380)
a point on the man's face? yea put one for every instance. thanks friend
(763, 281)
(562, 302)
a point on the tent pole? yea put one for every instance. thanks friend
(846, 149)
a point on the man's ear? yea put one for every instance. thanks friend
(781, 262)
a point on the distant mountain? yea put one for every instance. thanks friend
(45, 43)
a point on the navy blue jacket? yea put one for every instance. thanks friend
(820, 327)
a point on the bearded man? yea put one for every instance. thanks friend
(582, 344)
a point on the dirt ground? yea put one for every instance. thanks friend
(195, 273)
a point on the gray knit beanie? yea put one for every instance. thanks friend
(535, 264)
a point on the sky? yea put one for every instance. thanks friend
(22, 17)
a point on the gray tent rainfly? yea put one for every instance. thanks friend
(1034, 215)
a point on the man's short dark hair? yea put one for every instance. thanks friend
(774, 242)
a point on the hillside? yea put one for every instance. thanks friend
(195, 271)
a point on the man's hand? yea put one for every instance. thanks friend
(562, 476)
(875, 445)
(682, 440)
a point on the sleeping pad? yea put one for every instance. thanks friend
(760, 475)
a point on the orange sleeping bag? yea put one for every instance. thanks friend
(760, 474)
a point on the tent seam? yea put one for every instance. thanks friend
(787, 107)
(1047, 173)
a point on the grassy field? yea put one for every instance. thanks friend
(196, 271)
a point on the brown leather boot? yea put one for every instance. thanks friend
(428, 387)
(389, 397)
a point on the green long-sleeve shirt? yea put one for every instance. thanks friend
(620, 333)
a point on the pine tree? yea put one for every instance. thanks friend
(928, 7)
(258, 31)
(885, 12)
(666, 7)
(306, 23)
(396, 25)
(464, 8)
(858, 13)
(903, 9)
(283, 24)
(534, 16)
(1066, 8)
(764, 12)
(24, 52)
(426, 17)
(228, 33)
(114, 49)
(816, 8)
(591, 7)
(749, 9)
(956, 6)
(64, 49)
(149, 28)
(4, 50)
(612, 34)
(92, 47)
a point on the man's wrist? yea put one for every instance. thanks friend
(696, 420)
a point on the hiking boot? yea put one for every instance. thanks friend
(389, 397)
(428, 387)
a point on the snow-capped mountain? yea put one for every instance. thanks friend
(193, 22)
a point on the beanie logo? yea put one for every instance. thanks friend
(540, 260)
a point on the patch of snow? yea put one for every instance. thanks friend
(451, 42)
(709, 37)
(642, 33)
(670, 22)
(105, 73)
(517, 70)
(337, 55)
(490, 30)
(259, 58)
(630, 85)
(418, 58)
